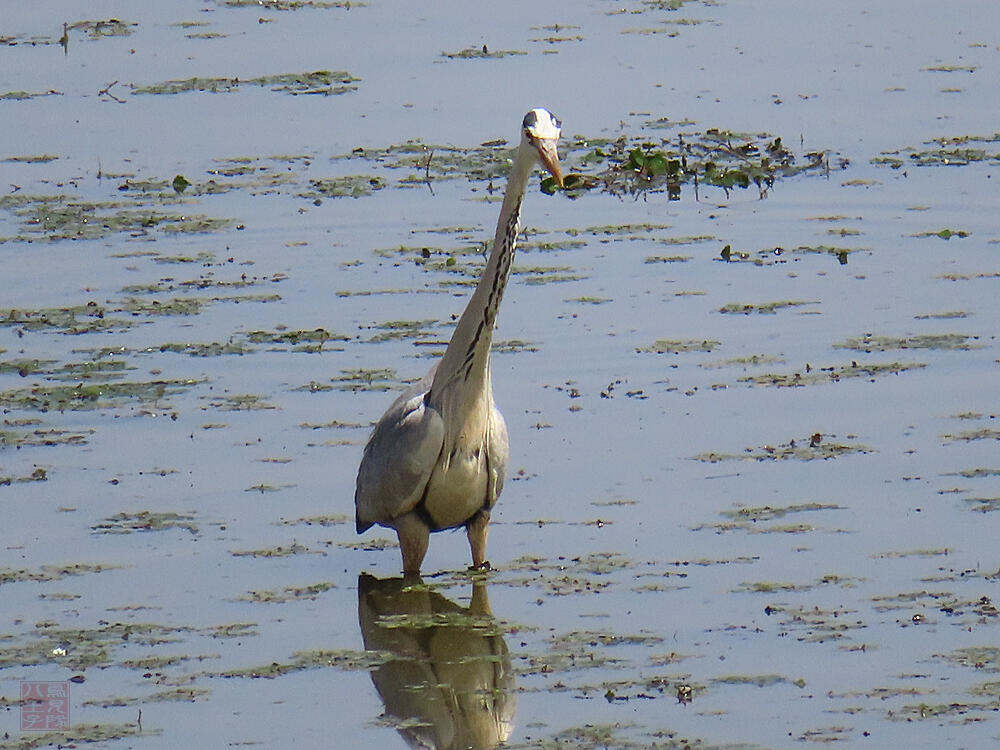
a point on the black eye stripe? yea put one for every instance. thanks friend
(529, 120)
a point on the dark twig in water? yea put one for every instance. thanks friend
(106, 91)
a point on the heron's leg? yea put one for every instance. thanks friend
(413, 537)
(477, 530)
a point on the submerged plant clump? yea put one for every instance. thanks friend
(716, 158)
(629, 165)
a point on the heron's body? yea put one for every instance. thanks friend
(438, 456)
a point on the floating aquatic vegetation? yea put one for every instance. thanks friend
(90, 396)
(238, 402)
(375, 544)
(310, 341)
(99, 29)
(667, 259)
(512, 346)
(146, 520)
(285, 5)
(870, 342)
(38, 475)
(347, 186)
(613, 232)
(77, 319)
(81, 733)
(677, 346)
(974, 473)
(589, 574)
(51, 218)
(106, 368)
(325, 82)
(804, 450)
(545, 275)
(763, 307)
(769, 513)
(967, 436)
(950, 68)
(262, 488)
(481, 53)
(765, 587)
(19, 96)
(395, 330)
(279, 551)
(213, 349)
(833, 374)
(629, 165)
(337, 519)
(373, 379)
(31, 159)
(25, 367)
(754, 360)
(969, 276)
(764, 680)
(289, 593)
(43, 437)
(52, 572)
(778, 255)
(944, 234)
(814, 624)
(754, 519)
(345, 659)
(713, 158)
(948, 315)
(940, 711)
(556, 36)
(953, 151)
(981, 658)
(175, 306)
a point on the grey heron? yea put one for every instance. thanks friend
(437, 458)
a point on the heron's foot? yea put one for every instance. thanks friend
(484, 566)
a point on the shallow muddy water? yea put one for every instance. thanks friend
(754, 431)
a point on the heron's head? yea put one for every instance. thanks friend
(540, 130)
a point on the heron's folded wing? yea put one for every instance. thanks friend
(398, 461)
(498, 452)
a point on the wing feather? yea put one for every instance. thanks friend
(498, 452)
(399, 458)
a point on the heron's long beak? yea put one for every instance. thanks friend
(549, 157)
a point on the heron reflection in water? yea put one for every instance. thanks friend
(437, 458)
(449, 684)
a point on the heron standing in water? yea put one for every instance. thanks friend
(438, 456)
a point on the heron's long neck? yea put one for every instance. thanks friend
(464, 369)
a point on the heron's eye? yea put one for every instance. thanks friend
(529, 120)
(555, 121)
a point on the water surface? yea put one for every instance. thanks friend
(752, 489)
